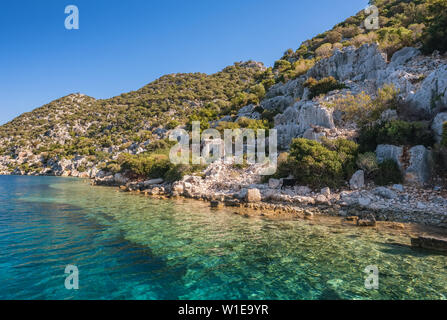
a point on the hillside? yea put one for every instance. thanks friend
(350, 90)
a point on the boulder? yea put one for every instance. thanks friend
(274, 183)
(385, 193)
(358, 180)
(420, 168)
(215, 204)
(152, 182)
(321, 199)
(389, 152)
(326, 192)
(253, 195)
(368, 221)
(120, 178)
(177, 188)
(438, 125)
(242, 194)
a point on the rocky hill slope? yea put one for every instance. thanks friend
(383, 90)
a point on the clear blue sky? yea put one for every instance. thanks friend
(123, 45)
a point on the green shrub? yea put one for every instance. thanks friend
(323, 86)
(444, 135)
(395, 132)
(388, 173)
(313, 164)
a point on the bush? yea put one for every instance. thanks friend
(347, 151)
(435, 35)
(333, 36)
(395, 132)
(145, 166)
(172, 124)
(388, 173)
(324, 50)
(313, 164)
(323, 86)
(253, 124)
(367, 162)
(177, 172)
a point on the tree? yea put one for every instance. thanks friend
(435, 35)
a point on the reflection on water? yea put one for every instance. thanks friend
(132, 247)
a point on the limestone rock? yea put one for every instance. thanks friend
(402, 56)
(302, 190)
(369, 221)
(398, 187)
(311, 134)
(253, 195)
(438, 124)
(279, 103)
(326, 192)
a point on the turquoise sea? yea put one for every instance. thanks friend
(132, 247)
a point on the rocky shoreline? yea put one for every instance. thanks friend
(224, 185)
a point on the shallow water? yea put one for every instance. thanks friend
(132, 247)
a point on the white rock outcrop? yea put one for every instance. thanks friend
(297, 119)
(438, 125)
(358, 180)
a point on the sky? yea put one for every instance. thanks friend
(121, 46)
